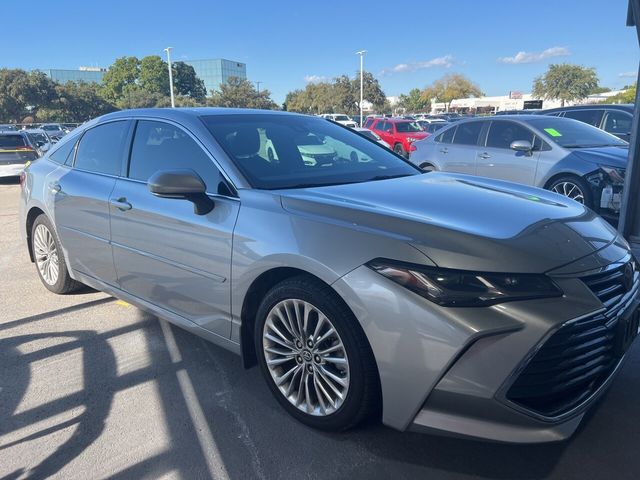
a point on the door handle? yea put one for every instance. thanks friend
(121, 204)
(55, 187)
(484, 156)
(444, 150)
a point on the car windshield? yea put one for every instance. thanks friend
(273, 151)
(12, 141)
(39, 138)
(574, 134)
(408, 127)
(50, 127)
(342, 118)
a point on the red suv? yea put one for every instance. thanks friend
(397, 132)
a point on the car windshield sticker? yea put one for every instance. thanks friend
(553, 132)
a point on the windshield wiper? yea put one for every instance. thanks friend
(388, 177)
(594, 145)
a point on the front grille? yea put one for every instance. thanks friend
(580, 356)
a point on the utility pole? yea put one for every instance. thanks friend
(361, 53)
(173, 101)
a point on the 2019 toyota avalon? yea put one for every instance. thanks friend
(443, 302)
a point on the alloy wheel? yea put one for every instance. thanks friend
(306, 357)
(569, 189)
(46, 254)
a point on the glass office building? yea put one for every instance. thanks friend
(84, 74)
(213, 72)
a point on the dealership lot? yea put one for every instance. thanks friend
(91, 387)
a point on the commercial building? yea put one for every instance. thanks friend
(83, 74)
(215, 71)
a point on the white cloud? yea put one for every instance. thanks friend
(315, 78)
(532, 57)
(444, 62)
(628, 74)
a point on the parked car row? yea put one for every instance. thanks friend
(566, 156)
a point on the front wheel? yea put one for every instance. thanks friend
(574, 188)
(314, 356)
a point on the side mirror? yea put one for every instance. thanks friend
(183, 184)
(522, 146)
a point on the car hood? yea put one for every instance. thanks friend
(610, 156)
(461, 221)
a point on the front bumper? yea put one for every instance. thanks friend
(448, 370)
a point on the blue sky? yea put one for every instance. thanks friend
(287, 43)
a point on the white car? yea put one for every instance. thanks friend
(341, 119)
(373, 136)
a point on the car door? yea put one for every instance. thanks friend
(497, 160)
(80, 195)
(384, 128)
(460, 155)
(591, 116)
(163, 251)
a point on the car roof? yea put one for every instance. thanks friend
(190, 112)
(607, 106)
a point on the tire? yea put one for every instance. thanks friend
(399, 149)
(49, 258)
(349, 346)
(568, 185)
(427, 167)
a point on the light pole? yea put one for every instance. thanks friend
(258, 86)
(361, 53)
(173, 101)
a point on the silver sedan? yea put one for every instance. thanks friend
(360, 286)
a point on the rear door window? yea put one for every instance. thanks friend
(592, 117)
(63, 153)
(467, 133)
(446, 136)
(100, 149)
(502, 133)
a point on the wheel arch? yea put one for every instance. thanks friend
(33, 213)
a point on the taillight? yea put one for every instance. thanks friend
(23, 179)
(25, 148)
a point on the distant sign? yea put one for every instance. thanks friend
(532, 105)
(515, 95)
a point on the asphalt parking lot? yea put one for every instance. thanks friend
(91, 387)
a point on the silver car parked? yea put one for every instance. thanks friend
(359, 285)
(559, 154)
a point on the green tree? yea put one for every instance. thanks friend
(23, 93)
(76, 102)
(186, 82)
(240, 93)
(153, 75)
(627, 96)
(565, 82)
(372, 92)
(133, 96)
(451, 87)
(414, 101)
(123, 73)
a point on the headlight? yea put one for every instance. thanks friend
(615, 174)
(461, 288)
(411, 139)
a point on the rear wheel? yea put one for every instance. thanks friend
(49, 258)
(399, 149)
(316, 360)
(574, 188)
